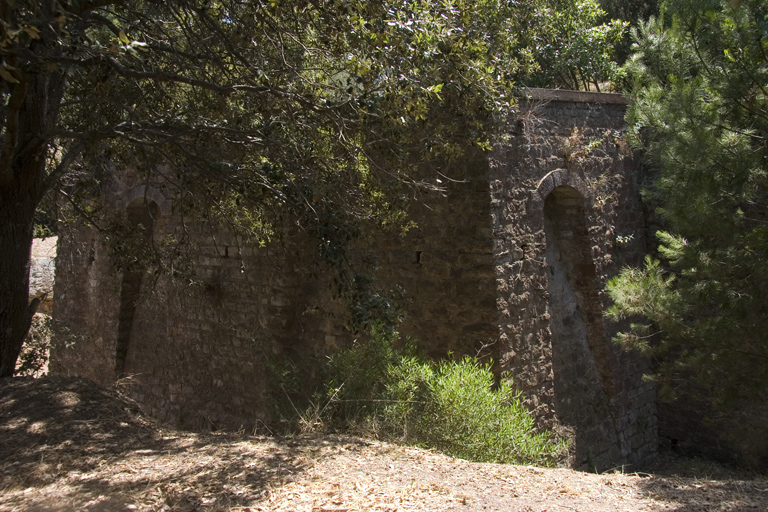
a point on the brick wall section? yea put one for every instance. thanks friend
(198, 351)
(445, 265)
(477, 271)
(86, 309)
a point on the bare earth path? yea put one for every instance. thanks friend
(68, 445)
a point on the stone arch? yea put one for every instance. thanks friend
(148, 194)
(142, 212)
(560, 178)
(576, 310)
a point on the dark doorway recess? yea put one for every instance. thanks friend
(141, 216)
(580, 356)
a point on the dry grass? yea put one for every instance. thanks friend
(68, 445)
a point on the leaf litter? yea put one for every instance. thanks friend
(70, 445)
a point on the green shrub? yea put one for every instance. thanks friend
(407, 396)
(359, 377)
(454, 407)
(451, 406)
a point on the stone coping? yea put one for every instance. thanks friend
(537, 94)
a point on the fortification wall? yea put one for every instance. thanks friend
(508, 261)
(445, 265)
(195, 351)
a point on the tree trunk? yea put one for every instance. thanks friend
(16, 229)
(30, 112)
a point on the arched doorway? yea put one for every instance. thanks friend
(583, 377)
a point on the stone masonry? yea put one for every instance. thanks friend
(42, 268)
(567, 216)
(508, 262)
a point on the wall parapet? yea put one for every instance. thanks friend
(561, 95)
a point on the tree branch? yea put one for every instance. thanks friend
(80, 211)
(63, 167)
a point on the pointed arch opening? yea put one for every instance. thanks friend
(575, 307)
(142, 213)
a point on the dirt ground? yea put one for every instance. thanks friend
(69, 445)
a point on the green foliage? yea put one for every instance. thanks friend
(359, 375)
(453, 406)
(317, 115)
(630, 10)
(572, 49)
(633, 11)
(371, 307)
(45, 219)
(292, 409)
(326, 114)
(700, 113)
(466, 417)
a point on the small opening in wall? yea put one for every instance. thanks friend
(417, 258)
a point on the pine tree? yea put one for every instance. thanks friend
(700, 115)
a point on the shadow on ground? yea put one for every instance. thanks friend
(77, 446)
(69, 445)
(698, 485)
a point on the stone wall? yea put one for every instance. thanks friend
(567, 215)
(509, 261)
(446, 266)
(42, 269)
(193, 350)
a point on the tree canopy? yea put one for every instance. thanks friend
(633, 11)
(700, 114)
(327, 109)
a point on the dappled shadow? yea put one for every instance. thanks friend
(60, 415)
(699, 485)
(69, 445)
(77, 446)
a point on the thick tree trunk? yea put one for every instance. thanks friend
(30, 113)
(16, 230)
